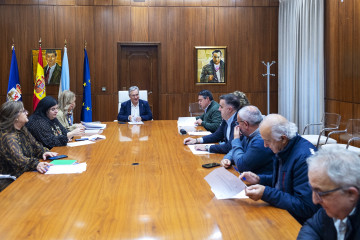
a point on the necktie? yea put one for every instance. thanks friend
(47, 75)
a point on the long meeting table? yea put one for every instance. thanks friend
(141, 183)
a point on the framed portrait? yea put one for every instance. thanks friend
(51, 63)
(210, 65)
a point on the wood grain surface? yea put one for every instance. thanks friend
(165, 196)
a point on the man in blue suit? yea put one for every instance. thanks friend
(229, 105)
(135, 109)
(288, 185)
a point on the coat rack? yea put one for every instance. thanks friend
(268, 74)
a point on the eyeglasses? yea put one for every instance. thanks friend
(320, 194)
(24, 111)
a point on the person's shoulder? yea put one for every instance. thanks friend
(57, 66)
(215, 104)
(60, 113)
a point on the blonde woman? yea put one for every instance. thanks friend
(65, 114)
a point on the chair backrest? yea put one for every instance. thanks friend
(195, 110)
(124, 96)
(331, 120)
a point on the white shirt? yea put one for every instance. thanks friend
(135, 111)
(340, 226)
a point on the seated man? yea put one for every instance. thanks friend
(287, 187)
(229, 105)
(248, 152)
(335, 179)
(211, 119)
(135, 109)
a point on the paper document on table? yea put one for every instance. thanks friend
(225, 185)
(93, 137)
(200, 133)
(186, 121)
(92, 131)
(93, 125)
(75, 144)
(61, 169)
(136, 123)
(194, 151)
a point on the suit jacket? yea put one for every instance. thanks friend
(212, 118)
(321, 227)
(209, 69)
(56, 76)
(249, 154)
(295, 194)
(220, 135)
(125, 111)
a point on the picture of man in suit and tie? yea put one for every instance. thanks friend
(52, 71)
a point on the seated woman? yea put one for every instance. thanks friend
(46, 128)
(65, 114)
(19, 151)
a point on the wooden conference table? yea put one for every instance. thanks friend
(164, 197)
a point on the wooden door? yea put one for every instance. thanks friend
(138, 66)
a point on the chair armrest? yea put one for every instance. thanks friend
(334, 132)
(311, 124)
(350, 140)
(7, 176)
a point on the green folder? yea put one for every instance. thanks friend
(63, 162)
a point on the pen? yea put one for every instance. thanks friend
(236, 169)
(81, 139)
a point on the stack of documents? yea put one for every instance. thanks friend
(186, 121)
(93, 125)
(225, 185)
(196, 152)
(66, 167)
(199, 133)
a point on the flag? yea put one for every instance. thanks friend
(39, 84)
(65, 75)
(86, 111)
(14, 89)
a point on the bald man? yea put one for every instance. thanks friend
(288, 186)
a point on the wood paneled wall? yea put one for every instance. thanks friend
(342, 37)
(247, 27)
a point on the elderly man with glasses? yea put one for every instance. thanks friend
(334, 176)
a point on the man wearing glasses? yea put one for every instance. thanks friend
(287, 187)
(135, 109)
(334, 176)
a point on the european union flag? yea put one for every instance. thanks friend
(86, 111)
(14, 89)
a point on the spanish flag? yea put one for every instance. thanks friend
(39, 84)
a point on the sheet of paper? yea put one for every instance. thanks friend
(225, 185)
(135, 123)
(63, 169)
(194, 151)
(89, 132)
(93, 125)
(94, 137)
(201, 133)
(186, 121)
(80, 143)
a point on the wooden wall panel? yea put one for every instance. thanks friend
(250, 33)
(342, 34)
(356, 53)
(139, 24)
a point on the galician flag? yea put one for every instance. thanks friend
(39, 84)
(14, 89)
(86, 111)
(65, 75)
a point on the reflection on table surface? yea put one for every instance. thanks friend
(153, 189)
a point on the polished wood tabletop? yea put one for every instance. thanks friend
(141, 182)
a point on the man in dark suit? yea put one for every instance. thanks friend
(229, 105)
(334, 176)
(211, 119)
(52, 70)
(135, 109)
